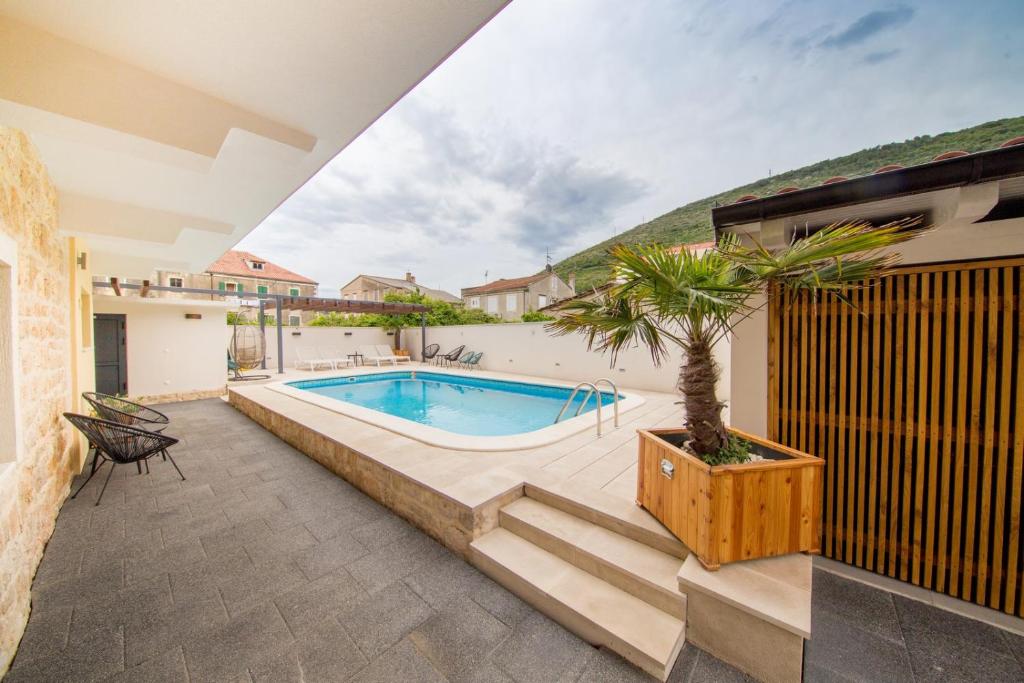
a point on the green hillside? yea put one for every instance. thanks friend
(692, 223)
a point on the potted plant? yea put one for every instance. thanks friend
(727, 495)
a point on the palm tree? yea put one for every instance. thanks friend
(664, 296)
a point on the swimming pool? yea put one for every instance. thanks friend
(473, 406)
(456, 410)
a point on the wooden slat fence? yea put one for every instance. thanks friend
(915, 399)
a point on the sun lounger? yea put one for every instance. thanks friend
(371, 354)
(310, 359)
(335, 357)
(385, 351)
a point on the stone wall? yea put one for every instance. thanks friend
(35, 484)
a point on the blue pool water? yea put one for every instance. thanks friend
(463, 405)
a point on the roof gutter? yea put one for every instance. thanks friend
(987, 166)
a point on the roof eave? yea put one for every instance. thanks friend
(987, 166)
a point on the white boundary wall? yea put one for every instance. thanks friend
(344, 339)
(526, 348)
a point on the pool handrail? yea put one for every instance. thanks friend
(576, 390)
(615, 396)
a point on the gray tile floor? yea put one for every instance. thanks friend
(263, 566)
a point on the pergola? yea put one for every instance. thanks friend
(282, 302)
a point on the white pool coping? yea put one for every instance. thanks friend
(443, 438)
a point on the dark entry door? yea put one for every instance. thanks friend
(111, 359)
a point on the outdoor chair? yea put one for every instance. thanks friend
(310, 359)
(452, 356)
(474, 361)
(372, 354)
(430, 352)
(120, 444)
(464, 359)
(123, 411)
(334, 357)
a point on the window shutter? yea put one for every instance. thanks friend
(261, 289)
(241, 287)
(220, 286)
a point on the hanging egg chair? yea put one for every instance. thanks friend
(246, 350)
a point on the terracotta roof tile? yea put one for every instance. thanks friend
(506, 284)
(237, 263)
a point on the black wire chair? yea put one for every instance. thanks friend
(120, 444)
(123, 411)
(452, 356)
(430, 351)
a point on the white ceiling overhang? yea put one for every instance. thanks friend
(171, 130)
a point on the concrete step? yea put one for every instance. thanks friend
(629, 565)
(612, 513)
(589, 607)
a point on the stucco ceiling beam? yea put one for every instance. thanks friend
(49, 73)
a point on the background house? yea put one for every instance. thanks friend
(248, 275)
(510, 298)
(375, 287)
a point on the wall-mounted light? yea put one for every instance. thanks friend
(82, 260)
(296, 334)
(193, 316)
(348, 334)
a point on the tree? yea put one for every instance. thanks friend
(693, 301)
(536, 317)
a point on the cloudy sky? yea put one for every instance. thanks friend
(563, 122)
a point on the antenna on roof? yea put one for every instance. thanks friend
(547, 256)
(486, 273)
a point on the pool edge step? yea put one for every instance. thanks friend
(610, 512)
(591, 608)
(632, 566)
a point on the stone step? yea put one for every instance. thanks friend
(612, 513)
(629, 565)
(589, 607)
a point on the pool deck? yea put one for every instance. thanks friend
(603, 468)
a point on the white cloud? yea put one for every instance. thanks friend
(560, 123)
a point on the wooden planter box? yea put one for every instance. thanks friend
(728, 513)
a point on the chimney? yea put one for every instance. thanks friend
(548, 268)
(572, 282)
(409, 277)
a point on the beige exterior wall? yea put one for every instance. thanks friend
(511, 304)
(365, 289)
(171, 357)
(343, 340)
(526, 348)
(38, 462)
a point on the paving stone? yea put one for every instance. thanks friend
(47, 632)
(869, 608)
(403, 662)
(1015, 644)
(847, 650)
(260, 585)
(685, 663)
(251, 508)
(444, 579)
(394, 562)
(916, 616)
(335, 522)
(326, 655)
(935, 657)
(285, 543)
(607, 667)
(151, 634)
(172, 558)
(537, 647)
(708, 669)
(167, 668)
(243, 642)
(309, 604)
(329, 555)
(379, 620)
(816, 674)
(382, 532)
(234, 536)
(90, 655)
(456, 638)
(504, 605)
